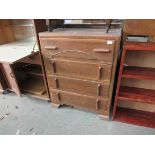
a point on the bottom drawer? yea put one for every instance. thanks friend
(82, 101)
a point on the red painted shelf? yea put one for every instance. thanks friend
(135, 117)
(132, 94)
(137, 94)
(142, 73)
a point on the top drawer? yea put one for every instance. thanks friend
(92, 49)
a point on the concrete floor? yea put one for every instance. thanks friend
(28, 116)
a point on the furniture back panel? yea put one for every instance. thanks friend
(140, 27)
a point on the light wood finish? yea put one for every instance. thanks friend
(80, 67)
(6, 31)
(139, 27)
(33, 58)
(12, 52)
(81, 101)
(80, 48)
(11, 78)
(86, 87)
(20, 47)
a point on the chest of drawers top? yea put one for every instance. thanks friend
(82, 33)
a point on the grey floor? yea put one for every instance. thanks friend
(26, 115)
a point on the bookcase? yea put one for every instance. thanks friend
(135, 94)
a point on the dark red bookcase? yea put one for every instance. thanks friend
(133, 94)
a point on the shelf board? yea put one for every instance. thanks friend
(135, 117)
(142, 73)
(34, 86)
(140, 46)
(137, 94)
(32, 69)
(42, 97)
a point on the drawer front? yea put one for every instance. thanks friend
(77, 100)
(91, 49)
(83, 70)
(84, 87)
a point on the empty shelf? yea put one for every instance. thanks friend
(143, 73)
(32, 69)
(34, 86)
(43, 96)
(135, 117)
(137, 95)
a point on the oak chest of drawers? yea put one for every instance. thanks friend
(80, 67)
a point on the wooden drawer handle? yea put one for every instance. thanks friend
(53, 65)
(56, 82)
(98, 89)
(51, 47)
(58, 96)
(101, 50)
(99, 72)
(97, 104)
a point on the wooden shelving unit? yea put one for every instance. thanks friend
(31, 80)
(20, 57)
(35, 87)
(130, 94)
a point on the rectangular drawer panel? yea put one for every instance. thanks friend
(92, 49)
(84, 87)
(84, 70)
(77, 100)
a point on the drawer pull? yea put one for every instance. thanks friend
(97, 104)
(53, 65)
(98, 89)
(101, 50)
(56, 83)
(51, 47)
(99, 72)
(11, 75)
(58, 96)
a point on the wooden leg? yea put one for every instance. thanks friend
(104, 117)
(3, 91)
(56, 105)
